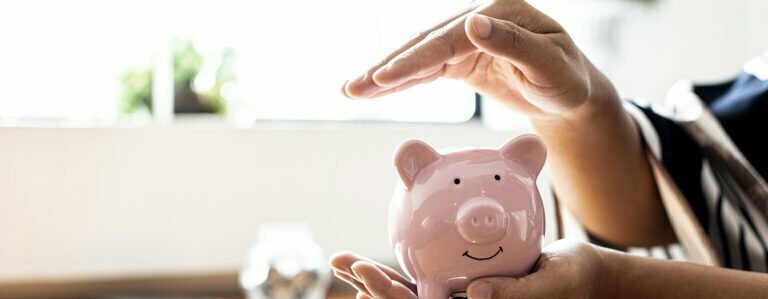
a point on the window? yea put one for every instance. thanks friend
(64, 59)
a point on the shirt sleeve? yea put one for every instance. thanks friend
(677, 152)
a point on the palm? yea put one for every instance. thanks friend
(496, 78)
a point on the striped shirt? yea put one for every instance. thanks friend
(737, 230)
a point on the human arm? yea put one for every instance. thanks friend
(509, 51)
(568, 269)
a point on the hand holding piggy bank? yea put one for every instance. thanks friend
(468, 214)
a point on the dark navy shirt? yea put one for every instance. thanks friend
(738, 232)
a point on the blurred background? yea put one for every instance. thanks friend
(158, 139)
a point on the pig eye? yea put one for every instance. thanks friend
(456, 181)
(497, 177)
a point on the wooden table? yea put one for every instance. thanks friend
(208, 285)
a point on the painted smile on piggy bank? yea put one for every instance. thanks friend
(467, 214)
(466, 253)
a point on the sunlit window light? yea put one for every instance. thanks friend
(64, 59)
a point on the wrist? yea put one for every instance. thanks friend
(615, 265)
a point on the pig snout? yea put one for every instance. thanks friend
(482, 220)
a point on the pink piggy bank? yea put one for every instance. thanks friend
(467, 214)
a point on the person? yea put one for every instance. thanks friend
(510, 52)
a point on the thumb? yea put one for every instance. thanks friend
(507, 40)
(497, 288)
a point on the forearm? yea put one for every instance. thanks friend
(641, 277)
(600, 171)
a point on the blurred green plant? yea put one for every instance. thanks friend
(136, 90)
(188, 65)
(223, 70)
(186, 62)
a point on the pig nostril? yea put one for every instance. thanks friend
(481, 221)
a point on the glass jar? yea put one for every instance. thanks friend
(286, 263)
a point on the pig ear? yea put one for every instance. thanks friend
(411, 157)
(527, 150)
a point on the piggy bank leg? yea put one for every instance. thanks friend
(433, 291)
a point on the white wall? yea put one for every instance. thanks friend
(85, 202)
(646, 48)
(703, 40)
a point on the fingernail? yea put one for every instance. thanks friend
(367, 273)
(482, 26)
(390, 74)
(347, 89)
(341, 269)
(346, 275)
(480, 289)
(355, 268)
(359, 78)
(382, 69)
(344, 93)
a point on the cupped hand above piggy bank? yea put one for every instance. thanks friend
(467, 214)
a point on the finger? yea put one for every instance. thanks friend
(379, 284)
(363, 86)
(432, 52)
(507, 287)
(460, 68)
(505, 39)
(342, 261)
(363, 296)
(409, 84)
(351, 280)
(488, 288)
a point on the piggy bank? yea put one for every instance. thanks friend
(468, 214)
